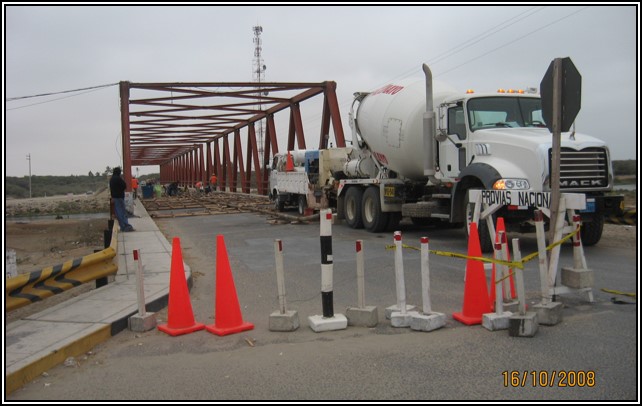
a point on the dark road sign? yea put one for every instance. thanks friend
(571, 94)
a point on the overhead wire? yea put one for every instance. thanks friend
(93, 89)
(474, 40)
(61, 92)
(516, 39)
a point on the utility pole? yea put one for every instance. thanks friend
(29, 159)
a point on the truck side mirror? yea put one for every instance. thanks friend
(441, 135)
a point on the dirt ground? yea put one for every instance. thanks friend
(42, 243)
(45, 242)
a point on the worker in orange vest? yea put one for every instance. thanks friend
(213, 180)
(135, 186)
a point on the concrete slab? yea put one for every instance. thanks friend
(140, 323)
(33, 347)
(548, 314)
(395, 308)
(88, 311)
(288, 321)
(578, 278)
(363, 317)
(398, 319)
(512, 306)
(523, 325)
(494, 321)
(427, 322)
(320, 323)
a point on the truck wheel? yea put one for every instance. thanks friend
(352, 208)
(303, 204)
(485, 241)
(279, 203)
(591, 232)
(374, 220)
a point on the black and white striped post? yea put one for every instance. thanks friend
(327, 266)
(328, 321)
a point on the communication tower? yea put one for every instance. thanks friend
(258, 75)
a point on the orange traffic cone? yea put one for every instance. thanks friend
(289, 164)
(476, 301)
(227, 318)
(180, 318)
(500, 227)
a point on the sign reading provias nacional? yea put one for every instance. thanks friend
(526, 198)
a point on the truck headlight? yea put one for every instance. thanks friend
(511, 184)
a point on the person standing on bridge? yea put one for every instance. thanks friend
(117, 188)
(212, 186)
(135, 187)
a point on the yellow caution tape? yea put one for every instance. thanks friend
(510, 264)
(617, 292)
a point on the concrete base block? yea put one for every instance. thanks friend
(577, 278)
(364, 317)
(140, 323)
(512, 306)
(395, 308)
(320, 323)
(427, 322)
(523, 325)
(398, 319)
(288, 321)
(548, 314)
(494, 321)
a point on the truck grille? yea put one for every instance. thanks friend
(584, 169)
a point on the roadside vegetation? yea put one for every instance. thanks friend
(42, 186)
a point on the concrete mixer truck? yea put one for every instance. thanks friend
(419, 148)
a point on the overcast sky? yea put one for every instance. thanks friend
(51, 49)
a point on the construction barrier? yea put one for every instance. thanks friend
(329, 320)
(180, 316)
(282, 319)
(628, 216)
(32, 287)
(228, 318)
(511, 264)
(476, 299)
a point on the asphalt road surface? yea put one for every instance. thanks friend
(591, 355)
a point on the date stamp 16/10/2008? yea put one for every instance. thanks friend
(549, 379)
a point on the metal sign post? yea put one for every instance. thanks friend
(561, 89)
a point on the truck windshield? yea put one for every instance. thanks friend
(493, 112)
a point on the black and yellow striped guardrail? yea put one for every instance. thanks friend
(628, 216)
(28, 288)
